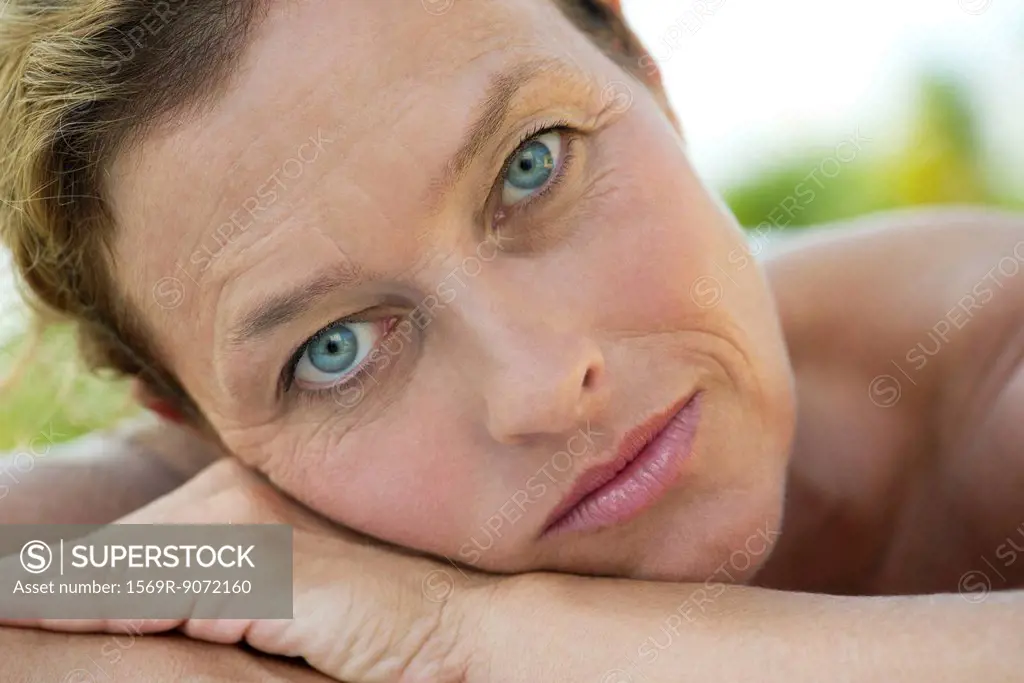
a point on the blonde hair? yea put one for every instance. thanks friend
(81, 80)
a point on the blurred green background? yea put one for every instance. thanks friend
(932, 154)
(938, 162)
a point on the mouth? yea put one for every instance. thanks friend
(648, 463)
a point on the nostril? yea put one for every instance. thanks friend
(589, 378)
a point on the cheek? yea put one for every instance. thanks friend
(671, 259)
(410, 475)
(659, 240)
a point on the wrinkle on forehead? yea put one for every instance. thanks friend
(279, 84)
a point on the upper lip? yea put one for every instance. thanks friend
(630, 445)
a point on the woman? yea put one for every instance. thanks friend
(445, 276)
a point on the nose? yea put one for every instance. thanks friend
(545, 382)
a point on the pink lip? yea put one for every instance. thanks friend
(648, 463)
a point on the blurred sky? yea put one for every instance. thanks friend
(752, 79)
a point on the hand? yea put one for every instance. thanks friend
(363, 613)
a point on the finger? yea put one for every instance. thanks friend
(222, 631)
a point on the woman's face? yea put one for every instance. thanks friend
(490, 330)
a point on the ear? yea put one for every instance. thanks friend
(150, 401)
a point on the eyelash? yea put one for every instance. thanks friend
(568, 156)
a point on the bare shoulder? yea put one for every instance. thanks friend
(906, 332)
(97, 478)
(928, 301)
(889, 274)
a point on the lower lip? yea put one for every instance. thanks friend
(640, 484)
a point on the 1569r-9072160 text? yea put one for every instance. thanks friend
(197, 586)
(138, 587)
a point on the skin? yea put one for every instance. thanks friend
(83, 658)
(872, 506)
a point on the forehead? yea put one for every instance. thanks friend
(362, 97)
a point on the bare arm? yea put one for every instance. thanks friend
(100, 477)
(129, 658)
(548, 627)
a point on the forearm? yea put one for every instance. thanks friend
(100, 477)
(572, 629)
(129, 658)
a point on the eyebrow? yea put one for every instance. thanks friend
(283, 307)
(491, 115)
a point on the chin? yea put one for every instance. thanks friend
(726, 540)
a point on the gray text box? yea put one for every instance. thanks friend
(146, 571)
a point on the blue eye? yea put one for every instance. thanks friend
(336, 352)
(532, 167)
